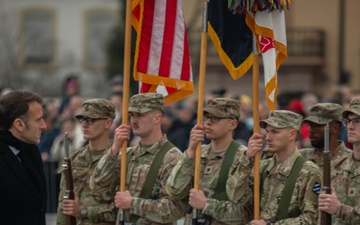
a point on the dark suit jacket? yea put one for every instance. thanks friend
(23, 196)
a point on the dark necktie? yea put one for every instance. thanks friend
(20, 156)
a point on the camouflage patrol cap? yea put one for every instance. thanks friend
(323, 113)
(354, 108)
(223, 107)
(97, 108)
(282, 119)
(143, 103)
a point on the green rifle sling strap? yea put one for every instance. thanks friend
(282, 212)
(220, 189)
(152, 174)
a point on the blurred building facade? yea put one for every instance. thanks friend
(44, 41)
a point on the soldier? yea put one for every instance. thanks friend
(289, 183)
(344, 202)
(320, 115)
(220, 119)
(91, 205)
(146, 112)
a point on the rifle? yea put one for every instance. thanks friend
(326, 217)
(69, 192)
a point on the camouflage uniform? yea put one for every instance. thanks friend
(346, 181)
(323, 113)
(160, 208)
(317, 156)
(99, 202)
(222, 212)
(305, 193)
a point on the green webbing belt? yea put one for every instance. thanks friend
(220, 189)
(152, 174)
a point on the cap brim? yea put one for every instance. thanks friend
(137, 110)
(86, 114)
(315, 119)
(211, 111)
(346, 113)
(269, 121)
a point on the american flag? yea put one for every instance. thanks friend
(162, 58)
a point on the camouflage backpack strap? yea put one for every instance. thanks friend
(220, 189)
(152, 174)
(282, 212)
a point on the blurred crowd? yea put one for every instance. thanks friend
(59, 115)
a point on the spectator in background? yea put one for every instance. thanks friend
(308, 100)
(51, 132)
(58, 148)
(116, 99)
(245, 126)
(175, 134)
(296, 106)
(74, 108)
(117, 84)
(183, 124)
(70, 88)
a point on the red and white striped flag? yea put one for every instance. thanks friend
(269, 28)
(162, 58)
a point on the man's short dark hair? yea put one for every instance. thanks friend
(15, 104)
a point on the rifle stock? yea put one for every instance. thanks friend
(69, 192)
(326, 217)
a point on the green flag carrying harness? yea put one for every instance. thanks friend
(282, 211)
(220, 189)
(152, 174)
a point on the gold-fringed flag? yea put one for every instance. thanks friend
(269, 29)
(266, 19)
(162, 58)
(231, 37)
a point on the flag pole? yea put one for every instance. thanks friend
(125, 100)
(202, 74)
(255, 74)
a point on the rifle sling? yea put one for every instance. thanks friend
(220, 189)
(152, 174)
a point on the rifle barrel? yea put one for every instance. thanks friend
(326, 217)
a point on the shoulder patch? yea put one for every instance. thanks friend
(316, 188)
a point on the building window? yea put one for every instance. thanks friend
(98, 27)
(37, 37)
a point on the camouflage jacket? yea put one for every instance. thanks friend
(346, 181)
(99, 202)
(314, 155)
(305, 193)
(181, 178)
(160, 208)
